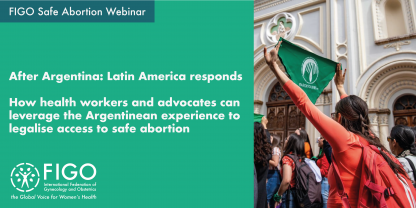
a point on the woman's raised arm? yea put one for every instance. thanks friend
(332, 131)
(271, 60)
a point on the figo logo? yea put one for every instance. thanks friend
(25, 176)
(74, 173)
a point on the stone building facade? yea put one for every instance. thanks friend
(373, 39)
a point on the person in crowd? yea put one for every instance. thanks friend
(402, 144)
(264, 121)
(304, 135)
(327, 149)
(294, 144)
(346, 134)
(262, 150)
(273, 177)
(323, 165)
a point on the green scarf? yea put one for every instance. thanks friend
(309, 71)
(258, 117)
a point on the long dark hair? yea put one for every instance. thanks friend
(304, 135)
(405, 137)
(354, 118)
(262, 147)
(296, 146)
(277, 141)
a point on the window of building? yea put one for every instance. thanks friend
(404, 111)
(395, 19)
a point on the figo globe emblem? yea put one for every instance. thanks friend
(310, 70)
(25, 177)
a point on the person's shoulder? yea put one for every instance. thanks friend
(287, 160)
(412, 158)
(402, 160)
(356, 139)
(276, 150)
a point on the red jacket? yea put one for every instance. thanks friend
(323, 165)
(348, 150)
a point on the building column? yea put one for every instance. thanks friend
(373, 117)
(384, 127)
(257, 106)
(379, 124)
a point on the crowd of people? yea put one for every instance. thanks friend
(352, 168)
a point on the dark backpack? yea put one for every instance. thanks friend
(308, 190)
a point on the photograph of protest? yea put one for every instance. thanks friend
(334, 103)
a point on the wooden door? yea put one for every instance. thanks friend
(405, 111)
(283, 115)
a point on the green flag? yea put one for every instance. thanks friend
(309, 71)
(258, 117)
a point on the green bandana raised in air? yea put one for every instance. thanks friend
(309, 71)
(257, 117)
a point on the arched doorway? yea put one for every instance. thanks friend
(404, 110)
(283, 115)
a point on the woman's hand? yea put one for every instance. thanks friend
(271, 57)
(271, 60)
(339, 80)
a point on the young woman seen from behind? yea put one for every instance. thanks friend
(273, 177)
(323, 165)
(308, 148)
(346, 134)
(294, 144)
(262, 150)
